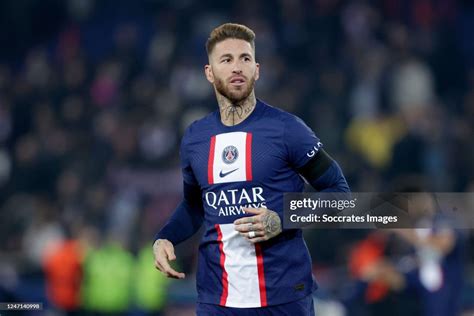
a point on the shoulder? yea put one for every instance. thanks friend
(295, 131)
(199, 128)
(275, 113)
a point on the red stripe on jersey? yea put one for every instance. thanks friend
(248, 157)
(261, 275)
(225, 281)
(210, 164)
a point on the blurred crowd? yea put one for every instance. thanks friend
(95, 96)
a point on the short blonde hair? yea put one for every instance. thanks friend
(230, 30)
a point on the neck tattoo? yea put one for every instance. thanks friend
(237, 111)
(233, 110)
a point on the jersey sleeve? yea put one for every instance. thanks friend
(189, 215)
(301, 142)
(188, 174)
(186, 219)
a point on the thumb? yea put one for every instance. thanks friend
(170, 253)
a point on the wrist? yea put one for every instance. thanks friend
(158, 241)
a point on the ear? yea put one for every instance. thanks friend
(257, 71)
(209, 73)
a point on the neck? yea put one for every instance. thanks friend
(235, 113)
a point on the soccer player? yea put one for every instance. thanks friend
(237, 162)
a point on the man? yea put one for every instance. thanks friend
(237, 162)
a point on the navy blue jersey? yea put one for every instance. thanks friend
(302, 307)
(248, 165)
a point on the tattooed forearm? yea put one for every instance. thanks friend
(271, 223)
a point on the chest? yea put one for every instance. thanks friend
(257, 156)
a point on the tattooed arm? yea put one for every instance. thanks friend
(265, 224)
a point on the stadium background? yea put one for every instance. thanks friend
(95, 95)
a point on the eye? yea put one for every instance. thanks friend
(247, 58)
(225, 60)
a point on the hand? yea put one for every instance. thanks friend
(264, 225)
(163, 250)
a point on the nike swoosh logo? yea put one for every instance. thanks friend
(223, 174)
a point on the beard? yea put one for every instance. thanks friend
(235, 95)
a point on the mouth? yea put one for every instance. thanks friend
(237, 81)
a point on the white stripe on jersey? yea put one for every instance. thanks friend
(242, 270)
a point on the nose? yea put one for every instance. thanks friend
(236, 69)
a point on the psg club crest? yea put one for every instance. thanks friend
(230, 154)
